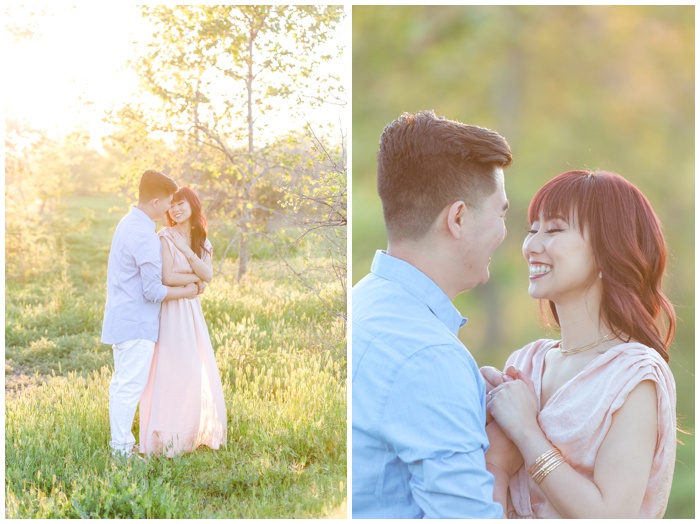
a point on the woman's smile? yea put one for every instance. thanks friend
(538, 270)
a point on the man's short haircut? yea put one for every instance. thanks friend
(155, 185)
(427, 162)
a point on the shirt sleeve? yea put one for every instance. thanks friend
(150, 263)
(435, 419)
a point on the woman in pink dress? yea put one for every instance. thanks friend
(585, 426)
(183, 406)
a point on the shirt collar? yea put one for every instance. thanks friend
(143, 217)
(420, 286)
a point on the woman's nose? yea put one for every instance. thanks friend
(532, 244)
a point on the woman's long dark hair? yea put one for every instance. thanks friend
(198, 222)
(628, 247)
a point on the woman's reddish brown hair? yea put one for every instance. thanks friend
(628, 246)
(198, 222)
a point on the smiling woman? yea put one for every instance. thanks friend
(597, 257)
(560, 259)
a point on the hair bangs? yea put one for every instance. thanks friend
(568, 196)
(628, 247)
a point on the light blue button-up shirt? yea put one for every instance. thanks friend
(135, 288)
(418, 408)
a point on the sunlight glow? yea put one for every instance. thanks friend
(74, 69)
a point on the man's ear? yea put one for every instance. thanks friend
(456, 219)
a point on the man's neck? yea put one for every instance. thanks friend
(146, 209)
(428, 259)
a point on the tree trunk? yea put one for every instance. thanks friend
(243, 247)
(245, 213)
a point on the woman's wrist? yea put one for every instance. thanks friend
(526, 434)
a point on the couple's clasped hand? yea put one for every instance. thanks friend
(510, 398)
(511, 407)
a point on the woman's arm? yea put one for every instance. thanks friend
(170, 278)
(202, 267)
(623, 464)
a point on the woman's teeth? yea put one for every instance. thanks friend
(537, 270)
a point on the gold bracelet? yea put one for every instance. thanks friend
(547, 468)
(542, 474)
(192, 257)
(545, 464)
(542, 459)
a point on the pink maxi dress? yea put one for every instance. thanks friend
(577, 417)
(182, 406)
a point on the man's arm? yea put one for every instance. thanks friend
(435, 420)
(148, 258)
(188, 291)
(503, 460)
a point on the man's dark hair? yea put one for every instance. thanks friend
(155, 185)
(427, 162)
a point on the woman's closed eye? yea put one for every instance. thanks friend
(533, 231)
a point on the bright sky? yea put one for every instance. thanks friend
(76, 68)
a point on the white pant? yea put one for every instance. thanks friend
(132, 362)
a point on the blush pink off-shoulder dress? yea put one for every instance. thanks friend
(182, 406)
(577, 417)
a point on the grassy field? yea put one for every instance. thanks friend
(282, 359)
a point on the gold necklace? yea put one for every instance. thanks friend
(567, 352)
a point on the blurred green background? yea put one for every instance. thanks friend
(570, 87)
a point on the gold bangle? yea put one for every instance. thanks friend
(545, 464)
(542, 459)
(542, 474)
(192, 257)
(547, 468)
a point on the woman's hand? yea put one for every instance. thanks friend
(513, 404)
(180, 241)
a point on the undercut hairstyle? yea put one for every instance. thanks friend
(155, 185)
(628, 247)
(198, 222)
(427, 162)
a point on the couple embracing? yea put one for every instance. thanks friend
(153, 319)
(580, 427)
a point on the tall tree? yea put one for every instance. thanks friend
(221, 73)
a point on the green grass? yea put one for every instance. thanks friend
(282, 359)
